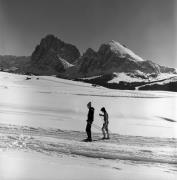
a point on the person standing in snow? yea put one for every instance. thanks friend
(90, 118)
(105, 124)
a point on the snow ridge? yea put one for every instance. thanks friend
(118, 48)
(65, 63)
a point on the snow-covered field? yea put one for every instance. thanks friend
(42, 124)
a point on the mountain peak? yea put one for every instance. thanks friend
(122, 50)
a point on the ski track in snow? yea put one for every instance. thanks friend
(120, 147)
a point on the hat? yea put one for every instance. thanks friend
(103, 109)
(89, 104)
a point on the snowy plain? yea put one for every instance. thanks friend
(42, 124)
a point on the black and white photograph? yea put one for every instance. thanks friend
(88, 89)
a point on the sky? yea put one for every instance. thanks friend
(147, 27)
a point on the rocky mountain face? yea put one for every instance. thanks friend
(115, 66)
(52, 56)
(114, 57)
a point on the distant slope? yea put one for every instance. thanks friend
(132, 81)
(10, 63)
(165, 85)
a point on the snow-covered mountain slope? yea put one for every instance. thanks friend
(168, 84)
(140, 77)
(123, 51)
(133, 80)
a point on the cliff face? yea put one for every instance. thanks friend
(50, 53)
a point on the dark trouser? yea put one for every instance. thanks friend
(88, 130)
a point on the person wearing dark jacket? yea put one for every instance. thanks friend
(105, 123)
(90, 118)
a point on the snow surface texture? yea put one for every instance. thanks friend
(141, 149)
(42, 124)
(123, 51)
(127, 78)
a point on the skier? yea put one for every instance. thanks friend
(90, 118)
(105, 124)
